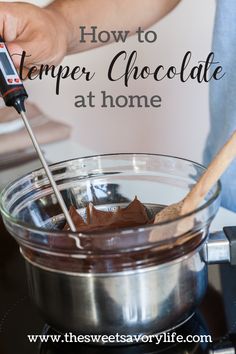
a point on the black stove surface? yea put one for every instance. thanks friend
(195, 325)
(19, 317)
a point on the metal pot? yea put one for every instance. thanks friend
(121, 281)
(127, 302)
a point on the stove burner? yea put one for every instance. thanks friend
(194, 326)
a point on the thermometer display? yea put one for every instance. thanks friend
(6, 64)
(11, 87)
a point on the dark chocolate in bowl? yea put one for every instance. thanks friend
(101, 260)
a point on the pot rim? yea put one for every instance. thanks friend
(122, 272)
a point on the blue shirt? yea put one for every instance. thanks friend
(223, 95)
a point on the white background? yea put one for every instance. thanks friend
(179, 127)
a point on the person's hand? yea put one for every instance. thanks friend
(41, 32)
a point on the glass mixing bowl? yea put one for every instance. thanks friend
(33, 216)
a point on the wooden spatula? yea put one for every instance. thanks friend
(214, 171)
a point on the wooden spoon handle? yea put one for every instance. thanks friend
(214, 171)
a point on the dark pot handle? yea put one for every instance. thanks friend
(230, 233)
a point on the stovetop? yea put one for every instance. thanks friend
(195, 325)
(19, 317)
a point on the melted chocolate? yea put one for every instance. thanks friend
(98, 248)
(135, 214)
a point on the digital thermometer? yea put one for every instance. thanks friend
(11, 87)
(14, 95)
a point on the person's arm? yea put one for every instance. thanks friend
(50, 33)
(108, 15)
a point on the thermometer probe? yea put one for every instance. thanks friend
(14, 95)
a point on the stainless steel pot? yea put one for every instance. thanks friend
(127, 302)
(122, 281)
